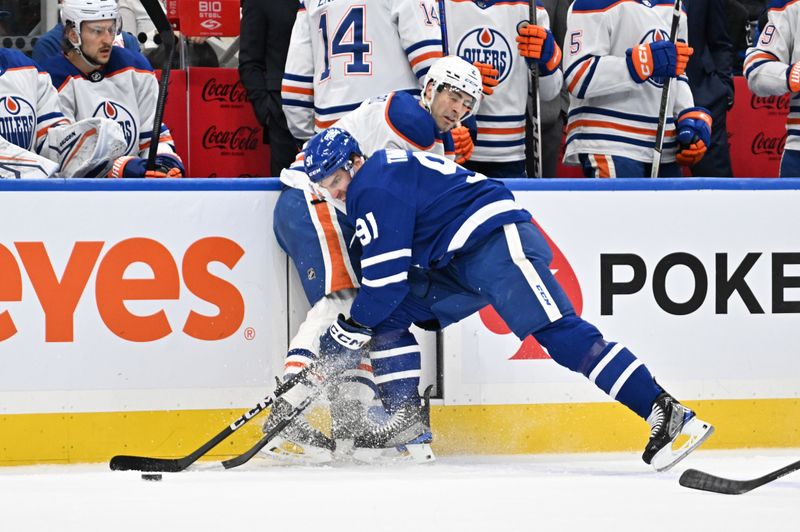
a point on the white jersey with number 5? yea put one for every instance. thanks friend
(345, 51)
(768, 63)
(609, 113)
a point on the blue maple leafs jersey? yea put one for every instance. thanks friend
(417, 209)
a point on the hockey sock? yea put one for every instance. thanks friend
(396, 365)
(616, 371)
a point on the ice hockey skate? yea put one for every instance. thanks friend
(668, 421)
(407, 432)
(299, 442)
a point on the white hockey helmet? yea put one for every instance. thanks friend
(457, 73)
(76, 12)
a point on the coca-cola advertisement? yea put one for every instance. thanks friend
(757, 130)
(226, 138)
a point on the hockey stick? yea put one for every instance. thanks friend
(665, 92)
(164, 28)
(692, 478)
(535, 107)
(173, 465)
(443, 29)
(268, 437)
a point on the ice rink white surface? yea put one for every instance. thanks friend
(601, 492)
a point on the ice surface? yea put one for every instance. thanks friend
(597, 492)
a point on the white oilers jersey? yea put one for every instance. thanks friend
(343, 51)
(124, 90)
(767, 64)
(394, 120)
(28, 102)
(486, 31)
(609, 113)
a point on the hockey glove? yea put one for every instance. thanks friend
(793, 77)
(659, 59)
(694, 135)
(489, 75)
(167, 165)
(463, 144)
(342, 346)
(537, 45)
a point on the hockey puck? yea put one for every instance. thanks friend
(152, 476)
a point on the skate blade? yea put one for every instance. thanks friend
(419, 453)
(290, 452)
(696, 431)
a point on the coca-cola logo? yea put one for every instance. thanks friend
(243, 138)
(775, 103)
(764, 144)
(214, 91)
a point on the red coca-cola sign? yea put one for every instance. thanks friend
(757, 131)
(216, 91)
(241, 139)
(226, 138)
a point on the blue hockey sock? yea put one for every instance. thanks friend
(616, 371)
(396, 365)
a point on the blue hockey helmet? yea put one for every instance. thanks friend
(328, 151)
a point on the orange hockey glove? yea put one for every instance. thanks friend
(537, 44)
(489, 75)
(793, 77)
(463, 144)
(684, 52)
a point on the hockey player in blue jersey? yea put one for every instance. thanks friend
(439, 243)
(317, 237)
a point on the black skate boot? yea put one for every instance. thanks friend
(668, 420)
(408, 431)
(298, 441)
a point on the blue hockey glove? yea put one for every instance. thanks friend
(167, 165)
(694, 134)
(342, 346)
(656, 59)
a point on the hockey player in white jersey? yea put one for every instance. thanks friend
(772, 67)
(441, 242)
(345, 51)
(616, 57)
(486, 31)
(96, 79)
(453, 92)
(36, 139)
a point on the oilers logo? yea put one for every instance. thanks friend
(653, 36)
(487, 45)
(17, 121)
(124, 118)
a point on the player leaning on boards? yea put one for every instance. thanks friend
(36, 139)
(439, 243)
(94, 78)
(772, 67)
(616, 57)
(330, 273)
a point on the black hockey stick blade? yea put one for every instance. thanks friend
(692, 478)
(245, 457)
(173, 465)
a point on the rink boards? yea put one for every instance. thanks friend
(143, 316)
